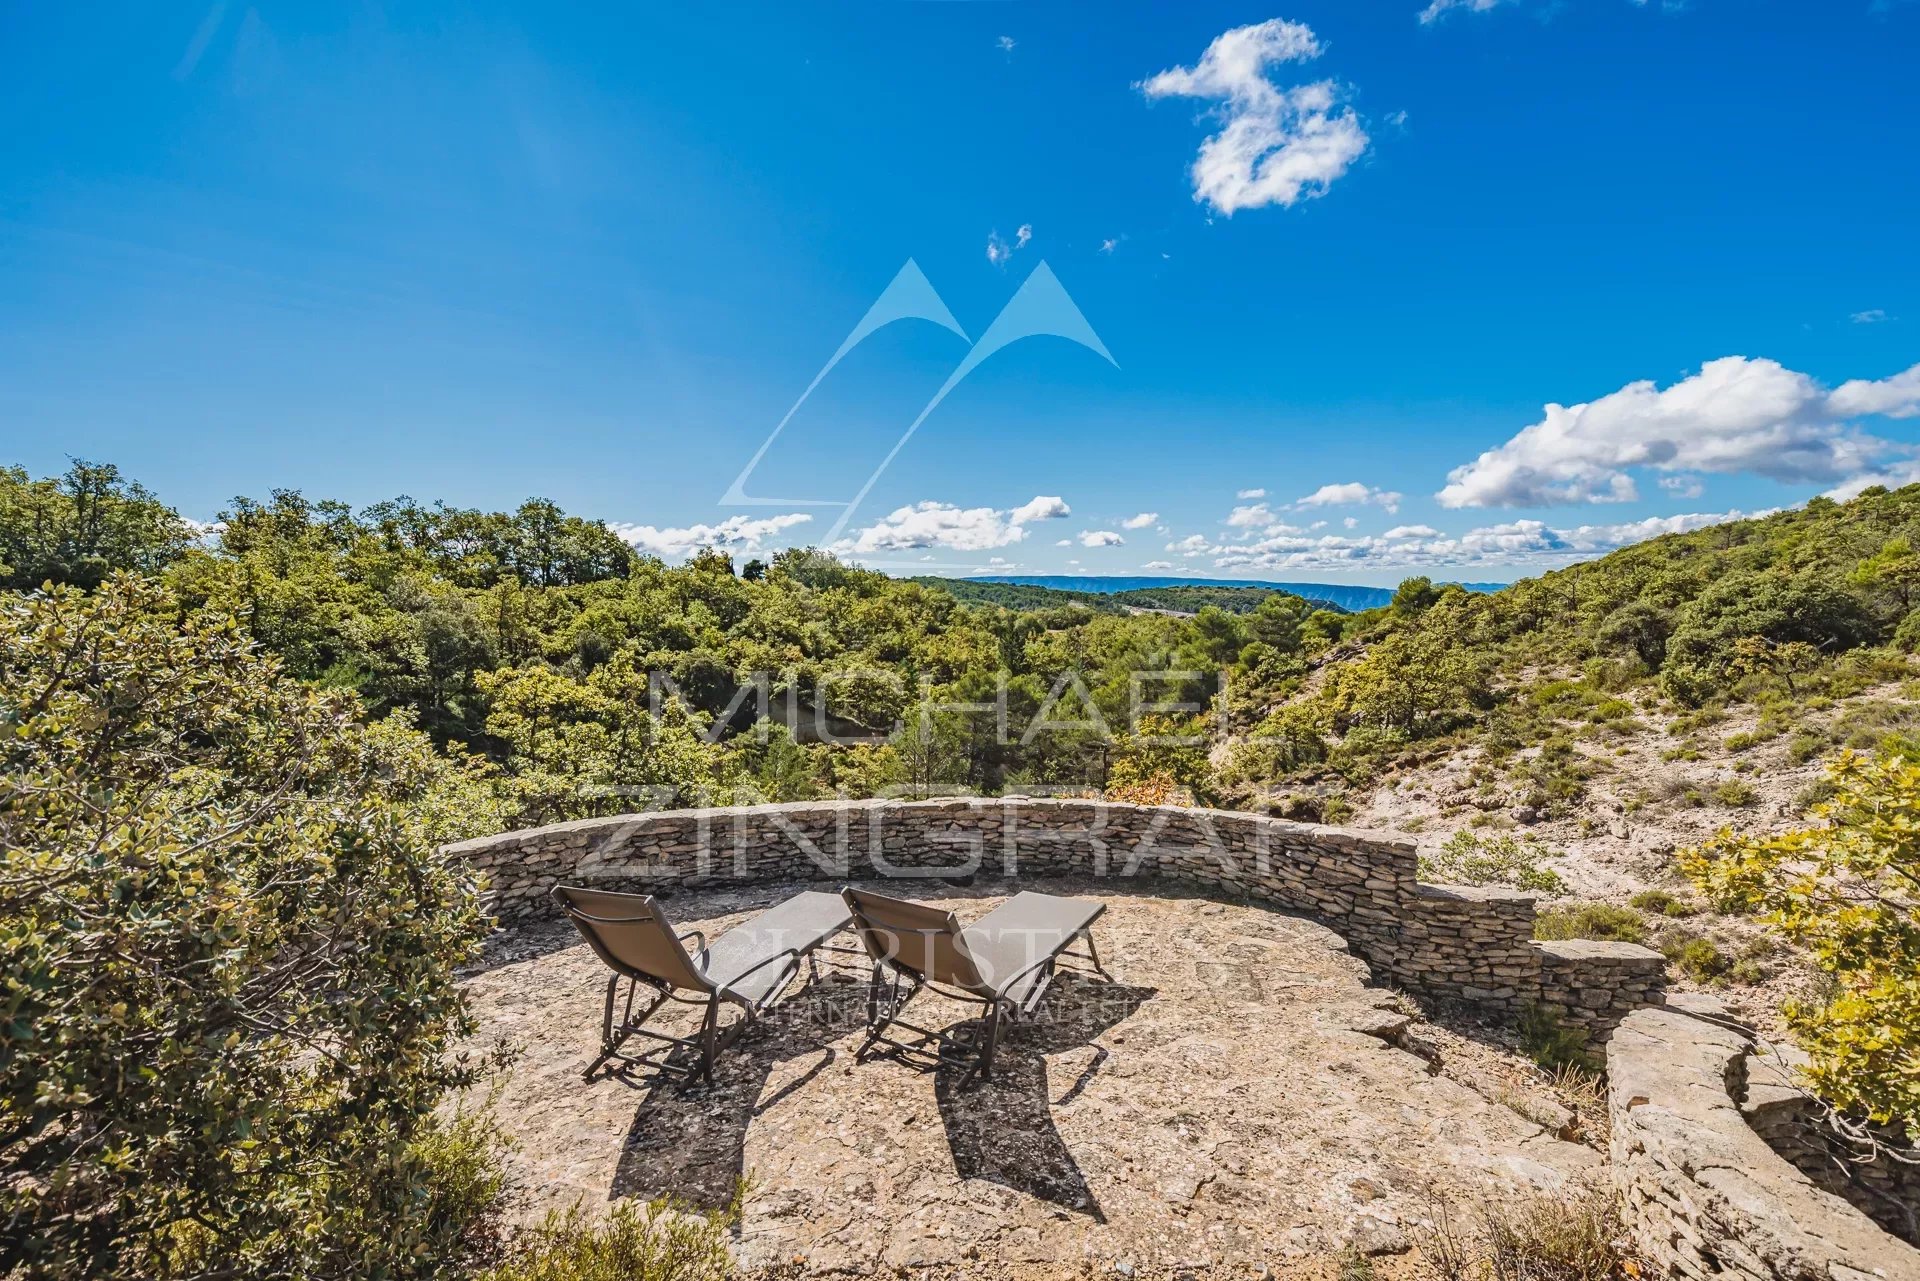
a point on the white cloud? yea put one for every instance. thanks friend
(1351, 521)
(1251, 493)
(1683, 486)
(1191, 545)
(1141, 521)
(999, 250)
(1871, 316)
(1526, 543)
(1065, 542)
(1352, 494)
(1436, 9)
(1110, 244)
(932, 524)
(1158, 564)
(1736, 415)
(1895, 397)
(1041, 507)
(1277, 145)
(1101, 538)
(735, 533)
(1005, 44)
(1251, 517)
(1433, 11)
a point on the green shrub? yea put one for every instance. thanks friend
(657, 1241)
(1663, 903)
(1552, 1044)
(1467, 859)
(1591, 921)
(1735, 794)
(1699, 958)
(1803, 747)
(1549, 1239)
(228, 943)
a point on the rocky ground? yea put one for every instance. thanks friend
(1236, 1102)
(1651, 788)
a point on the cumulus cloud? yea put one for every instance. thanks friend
(1736, 415)
(735, 533)
(932, 524)
(1101, 538)
(1191, 545)
(1023, 235)
(1352, 494)
(1141, 521)
(1158, 564)
(1110, 244)
(1521, 542)
(1042, 507)
(1251, 493)
(1683, 486)
(1277, 144)
(1251, 517)
(1895, 397)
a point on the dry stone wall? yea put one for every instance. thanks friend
(1472, 944)
(1703, 1193)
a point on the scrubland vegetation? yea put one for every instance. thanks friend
(228, 946)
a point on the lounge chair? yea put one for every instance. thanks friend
(748, 966)
(1005, 962)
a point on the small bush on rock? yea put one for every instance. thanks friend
(1591, 921)
(1467, 859)
(1548, 1238)
(1662, 903)
(656, 1241)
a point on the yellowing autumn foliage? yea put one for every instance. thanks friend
(1848, 890)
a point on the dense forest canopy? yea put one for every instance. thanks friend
(585, 673)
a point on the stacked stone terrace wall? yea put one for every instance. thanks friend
(1448, 941)
(1704, 1194)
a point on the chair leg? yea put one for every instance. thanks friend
(1093, 954)
(989, 1041)
(607, 1044)
(710, 1038)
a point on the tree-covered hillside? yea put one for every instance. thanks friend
(581, 671)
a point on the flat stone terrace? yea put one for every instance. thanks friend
(1233, 1104)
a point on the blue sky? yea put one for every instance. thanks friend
(1348, 250)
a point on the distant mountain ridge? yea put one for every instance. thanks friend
(1346, 596)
